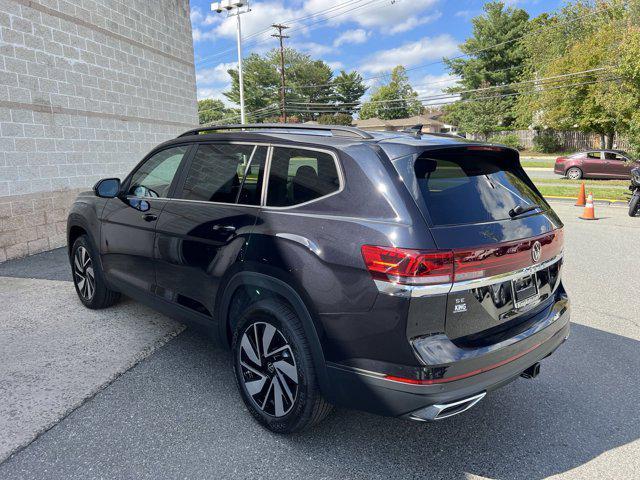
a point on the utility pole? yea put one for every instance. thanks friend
(236, 8)
(281, 37)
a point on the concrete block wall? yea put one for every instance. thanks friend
(87, 88)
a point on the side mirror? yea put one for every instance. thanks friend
(107, 188)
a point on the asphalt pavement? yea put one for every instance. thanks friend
(177, 414)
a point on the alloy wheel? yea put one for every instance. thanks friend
(269, 371)
(83, 273)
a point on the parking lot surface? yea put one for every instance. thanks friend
(176, 414)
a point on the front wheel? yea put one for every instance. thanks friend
(274, 369)
(87, 276)
(634, 204)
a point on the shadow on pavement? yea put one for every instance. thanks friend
(178, 414)
(51, 265)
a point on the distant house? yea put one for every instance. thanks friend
(428, 124)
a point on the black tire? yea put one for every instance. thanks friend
(634, 204)
(308, 407)
(88, 277)
(573, 173)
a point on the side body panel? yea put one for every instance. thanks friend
(196, 244)
(316, 248)
(126, 241)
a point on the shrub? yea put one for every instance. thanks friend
(546, 141)
(510, 140)
(337, 119)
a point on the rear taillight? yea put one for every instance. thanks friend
(431, 267)
(402, 265)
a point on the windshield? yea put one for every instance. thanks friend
(463, 186)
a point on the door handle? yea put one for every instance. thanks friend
(149, 217)
(224, 228)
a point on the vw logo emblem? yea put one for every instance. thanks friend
(536, 252)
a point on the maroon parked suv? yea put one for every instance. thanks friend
(595, 164)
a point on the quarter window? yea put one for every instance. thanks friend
(154, 177)
(217, 172)
(297, 176)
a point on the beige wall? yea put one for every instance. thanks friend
(87, 88)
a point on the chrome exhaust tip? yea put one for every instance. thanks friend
(445, 410)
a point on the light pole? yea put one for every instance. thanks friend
(236, 8)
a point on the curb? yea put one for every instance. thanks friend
(602, 201)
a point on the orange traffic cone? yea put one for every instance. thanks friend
(589, 213)
(581, 197)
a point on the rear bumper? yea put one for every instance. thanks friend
(372, 392)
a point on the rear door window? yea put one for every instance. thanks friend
(462, 186)
(216, 173)
(298, 176)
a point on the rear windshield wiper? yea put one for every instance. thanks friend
(519, 210)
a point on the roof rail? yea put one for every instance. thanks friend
(336, 130)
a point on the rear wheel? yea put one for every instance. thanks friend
(88, 278)
(274, 369)
(634, 204)
(574, 173)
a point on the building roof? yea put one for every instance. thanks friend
(400, 122)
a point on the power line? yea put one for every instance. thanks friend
(264, 32)
(539, 81)
(490, 47)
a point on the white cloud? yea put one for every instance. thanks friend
(312, 48)
(403, 14)
(433, 85)
(410, 54)
(356, 36)
(215, 75)
(466, 14)
(261, 17)
(196, 15)
(380, 15)
(335, 65)
(216, 94)
(413, 22)
(199, 35)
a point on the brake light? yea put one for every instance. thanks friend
(485, 148)
(431, 267)
(403, 265)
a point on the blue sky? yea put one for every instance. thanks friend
(371, 36)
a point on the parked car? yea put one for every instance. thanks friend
(595, 164)
(400, 274)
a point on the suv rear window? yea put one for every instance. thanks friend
(467, 186)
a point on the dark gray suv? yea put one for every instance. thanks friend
(404, 274)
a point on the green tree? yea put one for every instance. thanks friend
(261, 83)
(213, 110)
(397, 99)
(336, 119)
(307, 80)
(493, 57)
(349, 89)
(603, 45)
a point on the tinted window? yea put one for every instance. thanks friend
(251, 179)
(299, 175)
(593, 155)
(614, 156)
(216, 172)
(472, 187)
(154, 177)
